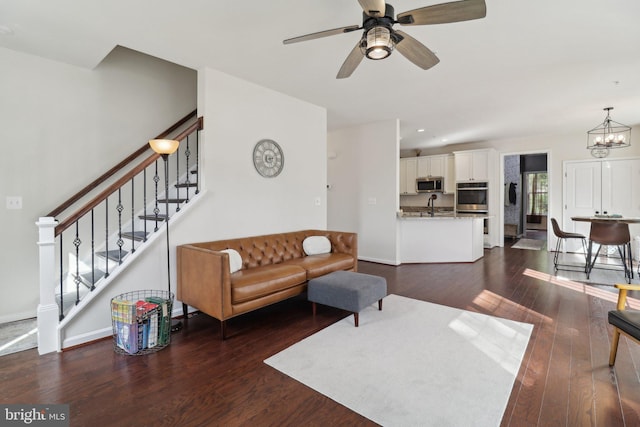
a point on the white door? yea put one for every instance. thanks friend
(582, 197)
(621, 190)
(598, 187)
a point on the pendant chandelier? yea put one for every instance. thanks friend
(609, 134)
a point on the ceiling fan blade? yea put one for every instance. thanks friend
(374, 8)
(456, 11)
(351, 63)
(320, 34)
(415, 51)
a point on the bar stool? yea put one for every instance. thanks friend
(611, 234)
(563, 235)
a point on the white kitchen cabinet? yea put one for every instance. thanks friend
(408, 175)
(449, 175)
(482, 165)
(431, 166)
(474, 165)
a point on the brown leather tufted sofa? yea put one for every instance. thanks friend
(274, 268)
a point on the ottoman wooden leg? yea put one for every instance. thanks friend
(380, 305)
(313, 305)
(355, 319)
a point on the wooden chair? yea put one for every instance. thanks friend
(625, 322)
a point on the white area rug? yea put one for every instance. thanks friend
(413, 364)
(531, 244)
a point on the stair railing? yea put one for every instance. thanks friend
(79, 252)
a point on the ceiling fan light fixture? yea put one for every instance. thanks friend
(378, 43)
(609, 134)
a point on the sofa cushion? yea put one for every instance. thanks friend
(257, 282)
(319, 265)
(314, 245)
(235, 260)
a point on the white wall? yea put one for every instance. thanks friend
(63, 126)
(240, 202)
(363, 175)
(236, 200)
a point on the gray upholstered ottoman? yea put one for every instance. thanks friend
(347, 290)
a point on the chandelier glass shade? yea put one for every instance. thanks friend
(609, 134)
(378, 43)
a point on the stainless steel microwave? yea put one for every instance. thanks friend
(430, 184)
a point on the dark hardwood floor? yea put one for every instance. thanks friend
(199, 380)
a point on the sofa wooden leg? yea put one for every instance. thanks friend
(380, 304)
(355, 319)
(185, 311)
(313, 307)
(614, 346)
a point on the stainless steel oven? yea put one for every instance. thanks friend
(472, 197)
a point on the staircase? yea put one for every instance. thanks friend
(112, 220)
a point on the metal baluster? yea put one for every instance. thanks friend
(187, 154)
(177, 187)
(77, 242)
(156, 209)
(61, 315)
(106, 231)
(133, 223)
(197, 161)
(144, 202)
(120, 242)
(93, 254)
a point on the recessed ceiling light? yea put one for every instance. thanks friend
(420, 130)
(444, 140)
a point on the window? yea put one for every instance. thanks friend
(537, 193)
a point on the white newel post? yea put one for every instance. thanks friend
(48, 340)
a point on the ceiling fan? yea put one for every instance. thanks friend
(379, 38)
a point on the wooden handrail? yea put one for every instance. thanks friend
(120, 182)
(80, 194)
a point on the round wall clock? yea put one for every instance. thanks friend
(268, 158)
(600, 152)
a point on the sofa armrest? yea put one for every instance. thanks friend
(204, 280)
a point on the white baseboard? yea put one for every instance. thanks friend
(107, 332)
(379, 261)
(87, 337)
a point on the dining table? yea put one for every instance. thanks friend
(607, 220)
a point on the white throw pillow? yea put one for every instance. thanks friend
(235, 260)
(314, 245)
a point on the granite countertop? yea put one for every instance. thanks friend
(439, 215)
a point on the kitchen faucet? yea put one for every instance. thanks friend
(430, 201)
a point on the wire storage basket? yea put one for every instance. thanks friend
(141, 321)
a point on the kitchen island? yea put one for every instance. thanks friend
(441, 238)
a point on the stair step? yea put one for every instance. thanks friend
(152, 217)
(181, 200)
(186, 185)
(138, 236)
(113, 255)
(194, 172)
